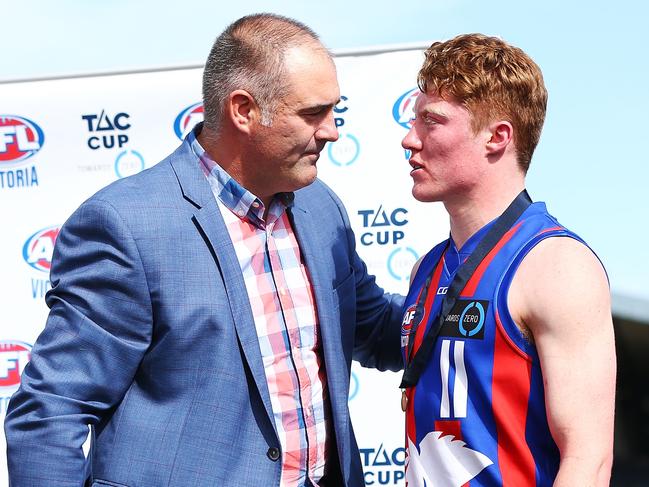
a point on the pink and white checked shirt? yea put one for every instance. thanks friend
(284, 312)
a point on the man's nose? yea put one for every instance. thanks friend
(328, 130)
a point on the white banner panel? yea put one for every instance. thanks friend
(62, 140)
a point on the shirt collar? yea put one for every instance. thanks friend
(235, 197)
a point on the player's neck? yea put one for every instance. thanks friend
(470, 212)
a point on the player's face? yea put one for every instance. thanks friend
(445, 150)
(302, 124)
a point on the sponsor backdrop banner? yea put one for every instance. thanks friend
(62, 140)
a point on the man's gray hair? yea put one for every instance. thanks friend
(249, 55)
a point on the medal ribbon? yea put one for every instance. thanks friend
(416, 364)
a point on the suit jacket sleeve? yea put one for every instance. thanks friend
(98, 329)
(378, 323)
(378, 314)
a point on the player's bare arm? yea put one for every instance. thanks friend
(560, 298)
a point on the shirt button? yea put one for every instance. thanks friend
(273, 453)
(255, 204)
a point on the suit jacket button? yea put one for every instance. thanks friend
(273, 453)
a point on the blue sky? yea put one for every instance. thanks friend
(591, 165)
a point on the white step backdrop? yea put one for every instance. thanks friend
(61, 140)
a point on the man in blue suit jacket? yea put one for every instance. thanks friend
(152, 338)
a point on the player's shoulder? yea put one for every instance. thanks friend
(560, 267)
(559, 255)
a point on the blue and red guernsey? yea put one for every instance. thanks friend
(477, 415)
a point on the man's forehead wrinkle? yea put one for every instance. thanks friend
(318, 105)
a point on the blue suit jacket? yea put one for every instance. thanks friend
(151, 340)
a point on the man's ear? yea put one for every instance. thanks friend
(501, 135)
(241, 109)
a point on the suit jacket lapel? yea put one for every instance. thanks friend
(310, 240)
(209, 221)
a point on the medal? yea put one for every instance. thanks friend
(404, 400)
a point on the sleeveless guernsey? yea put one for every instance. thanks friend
(477, 415)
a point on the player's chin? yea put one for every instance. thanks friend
(423, 194)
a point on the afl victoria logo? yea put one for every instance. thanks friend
(187, 119)
(20, 138)
(38, 248)
(14, 356)
(403, 110)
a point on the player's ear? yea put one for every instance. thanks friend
(500, 134)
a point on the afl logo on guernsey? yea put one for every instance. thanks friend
(14, 356)
(403, 110)
(187, 119)
(406, 324)
(38, 248)
(20, 138)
